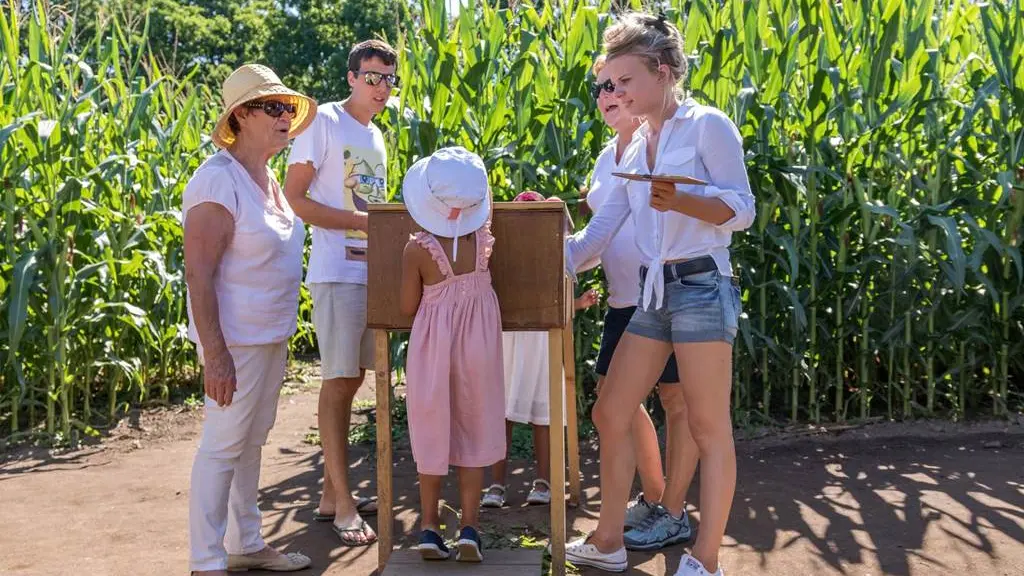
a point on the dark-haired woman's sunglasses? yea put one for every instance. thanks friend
(272, 108)
(595, 88)
(373, 78)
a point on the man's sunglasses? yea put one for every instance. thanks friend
(595, 88)
(373, 78)
(272, 108)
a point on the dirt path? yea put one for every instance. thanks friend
(868, 502)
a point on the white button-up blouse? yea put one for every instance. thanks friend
(698, 141)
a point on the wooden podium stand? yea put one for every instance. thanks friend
(528, 272)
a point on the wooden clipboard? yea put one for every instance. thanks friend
(660, 178)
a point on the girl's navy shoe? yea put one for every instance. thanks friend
(469, 546)
(432, 546)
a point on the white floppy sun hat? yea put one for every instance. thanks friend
(252, 82)
(447, 193)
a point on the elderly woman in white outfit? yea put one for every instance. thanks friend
(243, 266)
(689, 301)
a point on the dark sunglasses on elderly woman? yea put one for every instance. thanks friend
(272, 108)
(595, 88)
(373, 78)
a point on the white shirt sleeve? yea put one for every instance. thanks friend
(311, 145)
(596, 261)
(212, 184)
(589, 265)
(587, 244)
(721, 150)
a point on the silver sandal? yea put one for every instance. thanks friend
(539, 496)
(494, 497)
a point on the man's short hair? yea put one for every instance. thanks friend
(369, 49)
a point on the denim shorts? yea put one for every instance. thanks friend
(700, 307)
(615, 322)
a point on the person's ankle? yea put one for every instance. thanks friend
(653, 496)
(346, 507)
(605, 545)
(677, 512)
(435, 528)
(710, 563)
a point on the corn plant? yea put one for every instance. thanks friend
(885, 146)
(96, 147)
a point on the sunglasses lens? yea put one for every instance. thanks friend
(274, 108)
(375, 78)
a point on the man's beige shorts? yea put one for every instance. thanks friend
(339, 318)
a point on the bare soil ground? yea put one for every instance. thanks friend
(901, 499)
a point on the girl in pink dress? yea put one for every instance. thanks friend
(455, 391)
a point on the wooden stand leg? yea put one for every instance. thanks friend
(385, 512)
(557, 394)
(572, 423)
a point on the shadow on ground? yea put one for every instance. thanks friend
(846, 504)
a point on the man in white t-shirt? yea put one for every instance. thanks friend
(336, 167)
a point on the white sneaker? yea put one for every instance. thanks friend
(581, 553)
(690, 566)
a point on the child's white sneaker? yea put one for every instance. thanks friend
(582, 553)
(690, 566)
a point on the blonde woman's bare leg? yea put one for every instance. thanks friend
(648, 452)
(705, 373)
(636, 365)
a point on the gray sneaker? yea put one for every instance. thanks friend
(637, 512)
(661, 529)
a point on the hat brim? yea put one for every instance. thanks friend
(305, 112)
(419, 203)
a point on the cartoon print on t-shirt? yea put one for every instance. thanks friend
(365, 181)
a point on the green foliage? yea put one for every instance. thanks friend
(311, 41)
(96, 149)
(305, 41)
(882, 276)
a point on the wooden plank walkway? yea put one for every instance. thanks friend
(520, 562)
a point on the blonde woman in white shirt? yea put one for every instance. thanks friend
(689, 302)
(657, 517)
(243, 266)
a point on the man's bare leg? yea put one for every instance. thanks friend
(334, 417)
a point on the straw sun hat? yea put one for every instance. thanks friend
(252, 82)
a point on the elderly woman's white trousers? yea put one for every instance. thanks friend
(223, 514)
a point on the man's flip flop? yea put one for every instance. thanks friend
(346, 534)
(364, 506)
